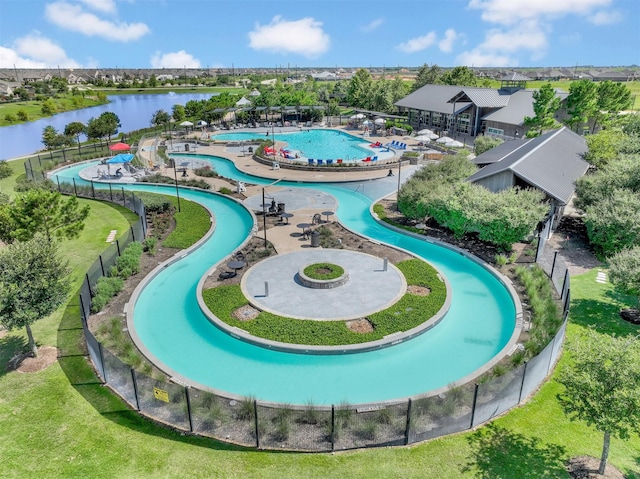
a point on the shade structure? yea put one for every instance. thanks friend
(202, 123)
(357, 116)
(454, 144)
(423, 138)
(444, 139)
(186, 123)
(120, 147)
(121, 158)
(380, 121)
(366, 122)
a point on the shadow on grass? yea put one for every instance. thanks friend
(76, 365)
(605, 317)
(10, 346)
(498, 453)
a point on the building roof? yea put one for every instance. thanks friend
(519, 105)
(514, 77)
(551, 162)
(431, 98)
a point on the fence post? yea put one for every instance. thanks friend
(118, 246)
(93, 191)
(104, 369)
(333, 427)
(58, 181)
(86, 276)
(110, 193)
(255, 415)
(101, 265)
(564, 282)
(124, 198)
(524, 375)
(408, 426)
(133, 235)
(135, 388)
(553, 264)
(473, 407)
(83, 314)
(186, 392)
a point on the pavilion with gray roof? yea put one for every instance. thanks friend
(551, 163)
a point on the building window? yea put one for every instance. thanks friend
(494, 131)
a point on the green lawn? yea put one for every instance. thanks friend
(33, 108)
(61, 422)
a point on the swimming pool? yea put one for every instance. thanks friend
(177, 336)
(317, 144)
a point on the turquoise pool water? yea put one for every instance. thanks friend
(169, 323)
(317, 144)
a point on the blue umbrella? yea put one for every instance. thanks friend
(121, 158)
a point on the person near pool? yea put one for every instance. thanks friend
(119, 172)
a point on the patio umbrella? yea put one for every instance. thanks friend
(379, 121)
(454, 144)
(444, 139)
(366, 122)
(423, 138)
(425, 131)
(121, 158)
(120, 147)
(186, 123)
(202, 123)
(357, 116)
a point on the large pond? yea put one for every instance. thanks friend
(134, 111)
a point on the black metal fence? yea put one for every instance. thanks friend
(253, 423)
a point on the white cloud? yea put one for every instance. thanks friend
(446, 44)
(477, 58)
(303, 37)
(605, 18)
(509, 12)
(174, 60)
(74, 18)
(418, 44)
(373, 25)
(525, 36)
(35, 51)
(107, 6)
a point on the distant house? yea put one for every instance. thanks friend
(551, 163)
(472, 111)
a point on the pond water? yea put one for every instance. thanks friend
(134, 111)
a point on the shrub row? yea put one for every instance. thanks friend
(127, 264)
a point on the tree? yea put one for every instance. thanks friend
(545, 106)
(359, 90)
(48, 107)
(582, 103)
(602, 386)
(485, 143)
(624, 272)
(177, 112)
(42, 211)
(50, 137)
(5, 169)
(75, 128)
(612, 99)
(34, 282)
(462, 76)
(604, 147)
(160, 117)
(427, 75)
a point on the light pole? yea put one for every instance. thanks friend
(398, 193)
(273, 138)
(175, 177)
(264, 218)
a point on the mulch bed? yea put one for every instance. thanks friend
(25, 363)
(586, 467)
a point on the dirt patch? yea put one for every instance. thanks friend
(246, 313)
(586, 467)
(25, 363)
(571, 241)
(418, 290)
(360, 326)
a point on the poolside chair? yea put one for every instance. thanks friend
(329, 162)
(311, 161)
(374, 158)
(339, 161)
(320, 162)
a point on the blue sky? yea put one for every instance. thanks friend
(317, 33)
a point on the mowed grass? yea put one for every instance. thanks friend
(61, 422)
(33, 108)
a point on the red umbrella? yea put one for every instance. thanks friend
(120, 147)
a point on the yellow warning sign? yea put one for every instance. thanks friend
(161, 394)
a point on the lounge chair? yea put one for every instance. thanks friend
(320, 162)
(227, 275)
(374, 158)
(311, 161)
(329, 162)
(339, 161)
